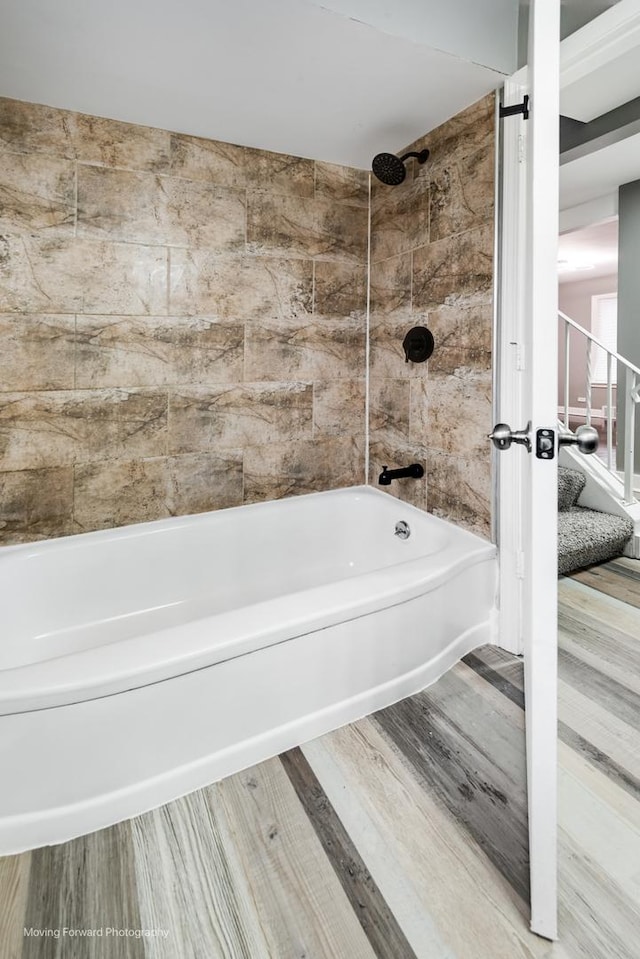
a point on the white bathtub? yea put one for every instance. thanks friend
(141, 663)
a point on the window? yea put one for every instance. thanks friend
(604, 326)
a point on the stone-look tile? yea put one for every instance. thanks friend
(305, 227)
(195, 158)
(141, 208)
(279, 172)
(115, 144)
(343, 229)
(460, 412)
(295, 467)
(339, 407)
(389, 405)
(419, 411)
(41, 274)
(458, 268)
(156, 351)
(395, 455)
(36, 352)
(198, 482)
(35, 504)
(37, 193)
(343, 183)
(399, 218)
(463, 326)
(464, 134)
(239, 416)
(448, 359)
(116, 494)
(340, 289)
(85, 426)
(33, 128)
(459, 489)
(240, 287)
(462, 193)
(463, 336)
(284, 225)
(294, 350)
(386, 356)
(391, 285)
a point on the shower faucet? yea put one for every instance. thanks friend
(415, 471)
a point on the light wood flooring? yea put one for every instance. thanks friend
(402, 836)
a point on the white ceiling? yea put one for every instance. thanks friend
(589, 252)
(283, 75)
(599, 63)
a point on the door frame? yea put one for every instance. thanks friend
(527, 377)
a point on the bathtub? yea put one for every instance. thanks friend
(139, 664)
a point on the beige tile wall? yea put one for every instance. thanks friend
(432, 264)
(181, 323)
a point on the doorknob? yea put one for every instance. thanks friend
(503, 436)
(585, 438)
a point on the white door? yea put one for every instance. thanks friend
(527, 402)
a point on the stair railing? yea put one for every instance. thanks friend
(631, 394)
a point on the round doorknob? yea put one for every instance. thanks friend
(502, 436)
(587, 439)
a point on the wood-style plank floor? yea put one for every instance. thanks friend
(402, 836)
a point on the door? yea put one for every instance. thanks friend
(527, 400)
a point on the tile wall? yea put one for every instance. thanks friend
(181, 323)
(432, 264)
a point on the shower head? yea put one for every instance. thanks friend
(391, 170)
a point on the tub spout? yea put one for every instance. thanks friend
(415, 471)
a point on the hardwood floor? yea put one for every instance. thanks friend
(402, 836)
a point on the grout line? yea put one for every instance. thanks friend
(167, 440)
(73, 496)
(244, 352)
(411, 284)
(246, 219)
(75, 201)
(367, 347)
(168, 290)
(75, 351)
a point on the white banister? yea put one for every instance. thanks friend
(594, 339)
(589, 379)
(631, 394)
(631, 383)
(567, 373)
(609, 410)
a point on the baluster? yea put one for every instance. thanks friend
(589, 375)
(609, 411)
(631, 383)
(567, 339)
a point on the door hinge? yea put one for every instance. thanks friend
(520, 565)
(516, 108)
